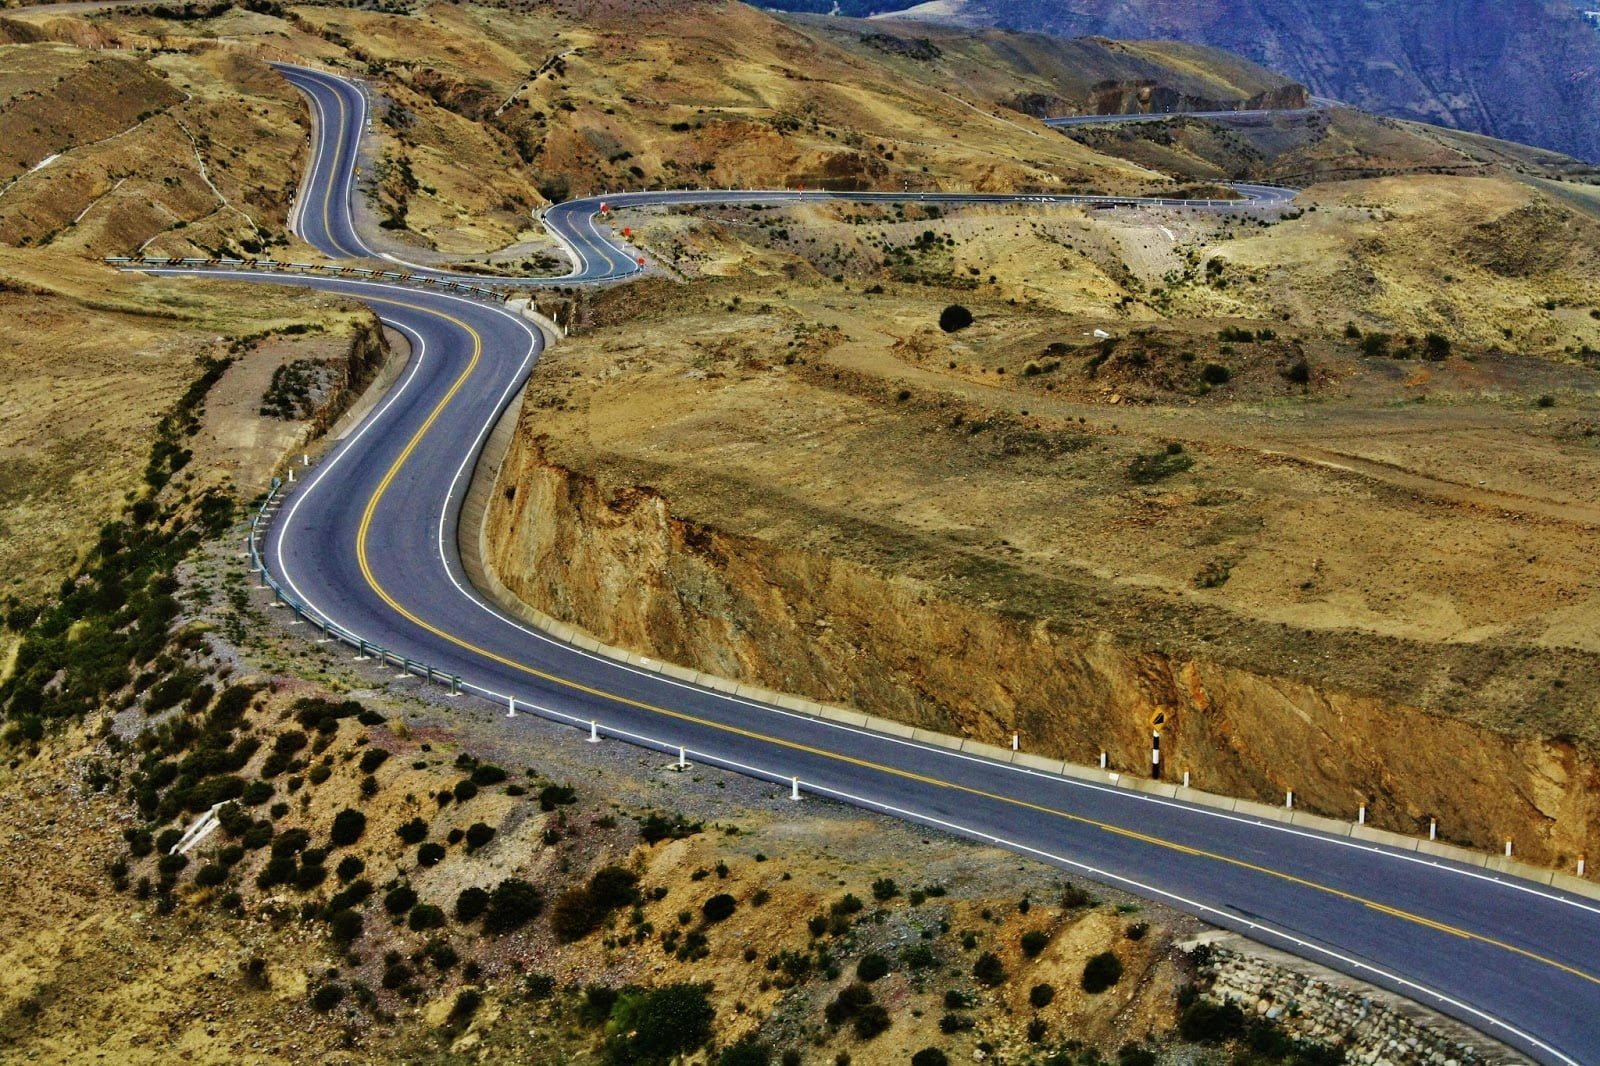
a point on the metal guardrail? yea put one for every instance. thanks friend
(399, 277)
(370, 651)
(282, 597)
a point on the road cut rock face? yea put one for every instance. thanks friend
(621, 566)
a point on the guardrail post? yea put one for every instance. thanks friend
(430, 675)
(794, 788)
(455, 684)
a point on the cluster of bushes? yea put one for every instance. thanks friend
(580, 911)
(855, 1005)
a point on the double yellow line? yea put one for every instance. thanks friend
(372, 581)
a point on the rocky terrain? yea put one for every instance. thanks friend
(1523, 72)
(1323, 487)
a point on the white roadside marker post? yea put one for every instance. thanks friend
(594, 732)
(1433, 829)
(1288, 799)
(511, 706)
(794, 788)
(1361, 815)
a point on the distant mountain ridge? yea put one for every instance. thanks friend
(1521, 70)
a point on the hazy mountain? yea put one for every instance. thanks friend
(1524, 70)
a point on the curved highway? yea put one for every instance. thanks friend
(366, 545)
(340, 111)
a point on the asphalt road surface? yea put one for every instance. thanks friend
(366, 545)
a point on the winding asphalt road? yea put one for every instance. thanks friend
(366, 545)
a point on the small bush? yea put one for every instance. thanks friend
(1033, 942)
(954, 318)
(1215, 374)
(553, 796)
(1101, 972)
(485, 775)
(884, 889)
(1041, 996)
(719, 907)
(430, 854)
(950, 1024)
(372, 758)
(413, 832)
(988, 969)
(400, 899)
(345, 925)
(465, 790)
(348, 825)
(870, 1021)
(1203, 1022)
(847, 1004)
(513, 904)
(748, 1052)
(479, 834)
(328, 996)
(930, 1056)
(425, 916)
(1134, 1055)
(471, 904)
(872, 967)
(350, 867)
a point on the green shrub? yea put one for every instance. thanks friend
(656, 1025)
(1134, 1055)
(345, 926)
(412, 832)
(400, 899)
(872, 967)
(372, 758)
(328, 996)
(1041, 996)
(884, 889)
(850, 1001)
(553, 796)
(465, 790)
(479, 834)
(748, 1052)
(485, 775)
(471, 904)
(919, 956)
(425, 916)
(512, 904)
(930, 1056)
(988, 969)
(1033, 942)
(951, 1023)
(870, 1021)
(719, 907)
(954, 318)
(1203, 1022)
(1215, 374)
(348, 825)
(350, 868)
(1101, 972)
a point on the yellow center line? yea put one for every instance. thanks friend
(792, 745)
